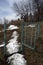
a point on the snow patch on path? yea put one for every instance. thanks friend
(17, 59)
(2, 45)
(13, 45)
(12, 27)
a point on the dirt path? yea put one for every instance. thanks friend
(34, 57)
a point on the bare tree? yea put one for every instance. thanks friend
(22, 8)
(38, 8)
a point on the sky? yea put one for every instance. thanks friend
(6, 10)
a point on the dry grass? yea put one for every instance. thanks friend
(33, 57)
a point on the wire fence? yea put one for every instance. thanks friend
(30, 32)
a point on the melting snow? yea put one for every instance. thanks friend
(31, 25)
(17, 59)
(15, 34)
(2, 45)
(13, 46)
(12, 27)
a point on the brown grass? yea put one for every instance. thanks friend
(33, 57)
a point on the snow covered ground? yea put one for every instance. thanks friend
(31, 25)
(13, 46)
(17, 59)
(2, 45)
(12, 27)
